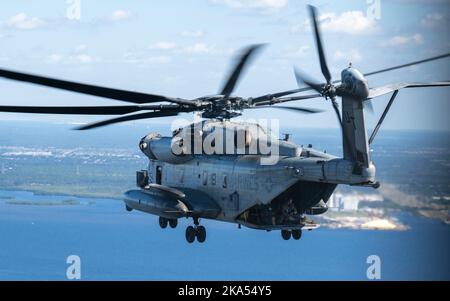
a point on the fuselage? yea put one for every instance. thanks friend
(250, 189)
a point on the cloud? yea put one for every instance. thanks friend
(22, 22)
(164, 46)
(354, 56)
(81, 48)
(148, 57)
(144, 58)
(57, 58)
(82, 58)
(199, 48)
(76, 56)
(434, 20)
(158, 60)
(299, 52)
(421, 1)
(192, 33)
(273, 5)
(402, 41)
(120, 15)
(350, 22)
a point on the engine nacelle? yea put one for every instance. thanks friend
(158, 200)
(156, 147)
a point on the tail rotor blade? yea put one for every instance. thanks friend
(323, 62)
(344, 133)
(369, 106)
(338, 114)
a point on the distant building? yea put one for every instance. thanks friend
(350, 201)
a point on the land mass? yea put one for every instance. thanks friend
(413, 168)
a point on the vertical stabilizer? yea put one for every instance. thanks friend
(356, 149)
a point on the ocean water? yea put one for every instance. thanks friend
(117, 245)
(113, 244)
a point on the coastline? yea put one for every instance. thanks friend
(362, 220)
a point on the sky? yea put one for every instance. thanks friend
(185, 49)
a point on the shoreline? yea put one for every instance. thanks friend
(349, 221)
(38, 192)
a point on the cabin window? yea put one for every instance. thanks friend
(158, 175)
(205, 178)
(225, 182)
(236, 139)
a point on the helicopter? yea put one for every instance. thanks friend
(238, 172)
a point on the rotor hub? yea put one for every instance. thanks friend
(329, 91)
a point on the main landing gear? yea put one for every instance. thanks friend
(192, 232)
(295, 234)
(196, 231)
(164, 222)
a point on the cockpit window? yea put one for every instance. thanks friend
(176, 132)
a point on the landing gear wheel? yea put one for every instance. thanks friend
(286, 234)
(201, 234)
(129, 209)
(190, 234)
(163, 222)
(297, 234)
(173, 223)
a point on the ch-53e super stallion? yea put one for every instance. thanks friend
(239, 181)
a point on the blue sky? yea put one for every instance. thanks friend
(184, 48)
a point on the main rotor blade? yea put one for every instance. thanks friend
(409, 64)
(269, 97)
(296, 109)
(286, 99)
(338, 114)
(302, 78)
(116, 94)
(323, 62)
(380, 91)
(128, 118)
(108, 110)
(242, 62)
